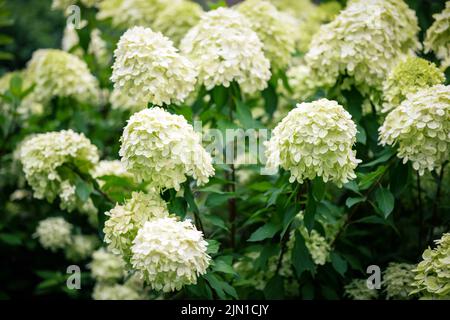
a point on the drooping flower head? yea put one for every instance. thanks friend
(315, 139)
(162, 148)
(432, 275)
(58, 73)
(398, 281)
(130, 13)
(81, 247)
(226, 49)
(149, 68)
(54, 233)
(273, 30)
(169, 253)
(407, 77)
(362, 45)
(125, 220)
(46, 157)
(357, 289)
(438, 36)
(177, 18)
(107, 266)
(420, 127)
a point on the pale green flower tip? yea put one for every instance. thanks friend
(407, 77)
(162, 149)
(149, 68)
(225, 49)
(54, 233)
(315, 139)
(125, 220)
(275, 32)
(169, 254)
(420, 127)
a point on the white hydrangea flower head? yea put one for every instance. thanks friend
(273, 30)
(362, 45)
(300, 81)
(54, 233)
(148, 67)
(44, 154)
(398, 280)
(122, 101)
(99, 48)
(81, 247)
(107, 266)
(125, 220)
(28, 106)
(169, 253)
(315, 139)
(162, 148)
(438, 37)
(58, 73)
(357, 289)
(432, 274)
(226, 49)
(409, 76)
(176, 19)
(420, 127)
(300, 9)
(103, 291)
(130, 13)
(110, 168)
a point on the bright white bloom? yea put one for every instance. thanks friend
(162, 148)
(362, 45)
(226, 49)
(273, 30)
(58, 73)
(432, 275)
(125, 220)
(54, 233)
(99, 48)
(130, 13)
(438, 36)
(420, 127)
(106, 266)
(110, 168)
(177, 18)
(409, 76)
(116, 291)
(149, 68)
(315, 139)
(169, 253)
(44, 155)
(81, 247)
(398, 281)
(357, 289)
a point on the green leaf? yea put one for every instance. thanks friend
(216, 284)
(15, 85)
(352, 185)
(260, 186)
(319, 187)
(266, 231)
(310, 211)
(354, 103)
(350, 202)
(216, 221)
(222, 266)
(178, 206)
(367, 180)
(268, 250)
(339, 264)
(219, 95)
(217, 199)
(274, 289)
(301, 258)
(244, 115)
(383, 158)
(213, 246)
(399, 178)
(229, 290)
(361, 135)
(270, 99)
(11, 239)
(384, 200)
(288, 216)
(83, 190)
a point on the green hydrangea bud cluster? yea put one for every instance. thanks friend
(398, 281)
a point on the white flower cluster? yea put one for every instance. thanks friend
(54, 233)
(42, 157)
(122, 101)
(99, 48)
(398, 281)
(169, 253)
(273, 30)
(64, 4)
(162, 148)
(357, 289)
(106, 266)
(362, 45)
(130, 13)
(177, 18)
(81, 247)
(315, 139)
(420, 127)
(438, 36)
(409, 76)
(58, 73)
(148, 67)
(226, 49)
(105, 291)
(110, 168)
(125, 220)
